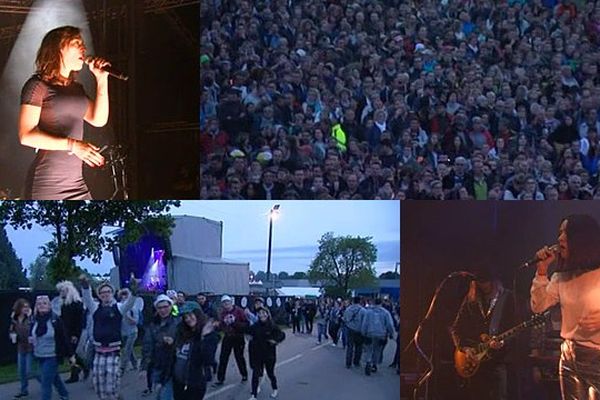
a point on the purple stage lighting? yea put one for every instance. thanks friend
(155, 277)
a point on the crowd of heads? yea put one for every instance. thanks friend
(400, 99)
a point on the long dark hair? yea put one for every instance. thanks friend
(583, 240)
(48, 60)
(184, 332)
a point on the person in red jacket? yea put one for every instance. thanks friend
(233, 323)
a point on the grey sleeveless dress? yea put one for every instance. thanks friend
(56, 175)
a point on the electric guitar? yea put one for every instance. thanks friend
(468, 359)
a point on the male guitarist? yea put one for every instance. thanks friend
(487, 309)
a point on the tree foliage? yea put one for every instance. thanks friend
(389, 275)
(260, 276)
(299, 275)
(76, 227)
(283, 275)
(344, 262)
(38, 274)
(12, 275)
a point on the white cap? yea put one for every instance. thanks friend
(420, 47)
(226, 298)
(161, 298)
(171, 293)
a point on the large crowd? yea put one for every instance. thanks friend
(390, 99)
(97, 334)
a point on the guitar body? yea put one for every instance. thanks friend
(467, 365)
(468, 359)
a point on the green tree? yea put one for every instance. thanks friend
(260, 276)
(299, 275)
(77, 227)
(38, 276)
(344, 263)
(283, 275)
(12, 274)
(389, 275)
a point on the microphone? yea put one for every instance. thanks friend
(532, 261)
(115, 73)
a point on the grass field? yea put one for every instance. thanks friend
(8, 373)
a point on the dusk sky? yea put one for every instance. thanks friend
(246, 227)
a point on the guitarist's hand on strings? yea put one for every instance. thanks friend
(546, 257)
(470, 353)
(496, 344)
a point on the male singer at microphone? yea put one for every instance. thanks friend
(53, 108)
(576, 286)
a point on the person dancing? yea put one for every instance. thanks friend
(266, 335)
(106, 336)
(575, 285)
(53, 108)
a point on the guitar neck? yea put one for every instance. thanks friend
(535, 320)
(512, 331)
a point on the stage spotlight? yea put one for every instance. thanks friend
(155, 277)
(44, 16)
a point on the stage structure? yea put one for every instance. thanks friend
(190, 260)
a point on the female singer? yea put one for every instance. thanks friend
(576, 287)
(53, 108)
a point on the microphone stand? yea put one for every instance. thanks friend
(427, 374)
(116, 160)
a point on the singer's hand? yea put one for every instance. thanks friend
(546, 257)
(95, 65)
(88, 153)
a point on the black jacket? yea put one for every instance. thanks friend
(72, 317)
(155, 351)
(200, 355)
(260, 348)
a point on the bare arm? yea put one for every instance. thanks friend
(32, 136)
(97, 110)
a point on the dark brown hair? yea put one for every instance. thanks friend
(184, 332)
(47, 61)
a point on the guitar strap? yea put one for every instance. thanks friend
(497, 314)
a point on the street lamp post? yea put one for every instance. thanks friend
(274, 211)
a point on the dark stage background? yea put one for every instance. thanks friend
(153, 116)
(438, 239)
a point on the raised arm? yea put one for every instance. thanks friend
(86, 295)
(97, 110)
(544, 292)
(128, 305)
